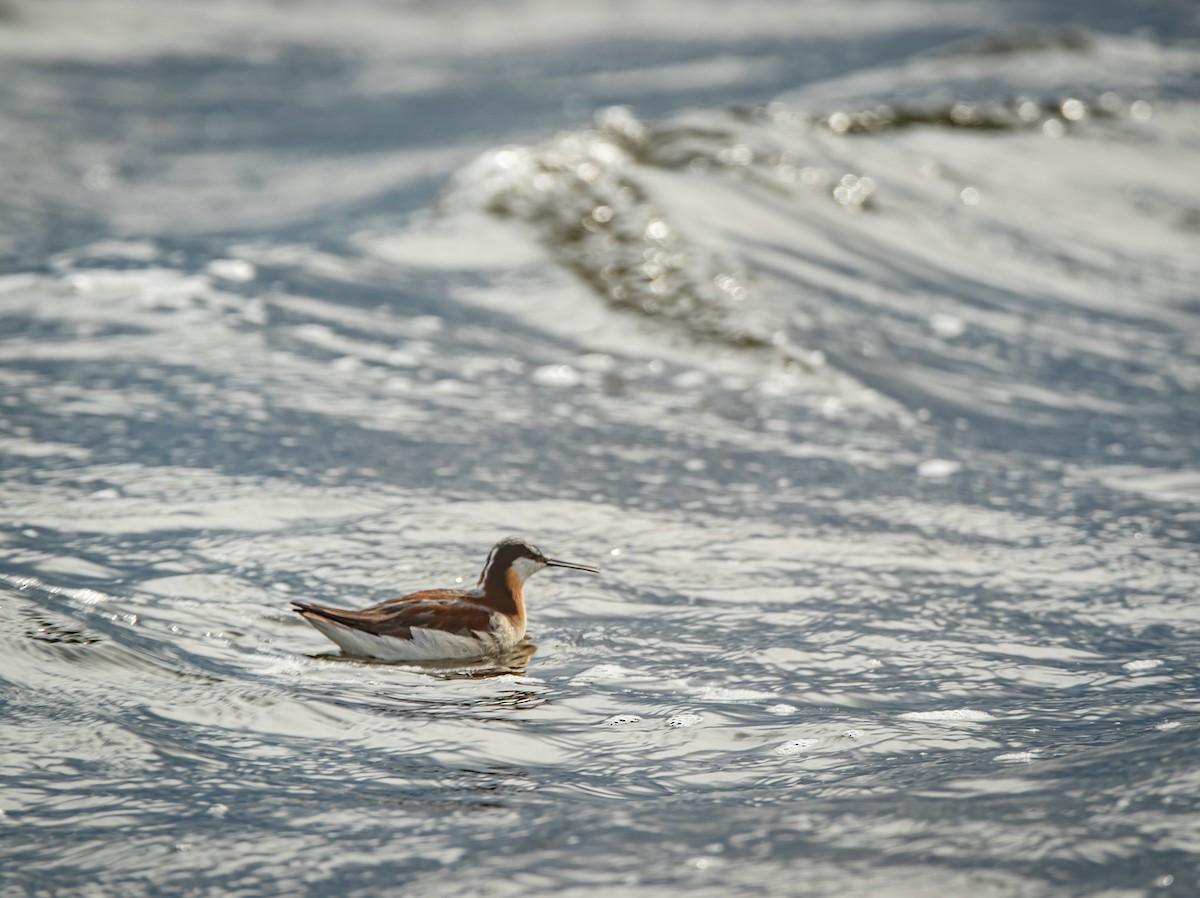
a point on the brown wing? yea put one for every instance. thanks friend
(433, 609)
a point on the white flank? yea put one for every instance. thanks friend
(425, 645)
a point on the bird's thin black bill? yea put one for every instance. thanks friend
(550, 562)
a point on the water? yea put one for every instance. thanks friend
(859, 345)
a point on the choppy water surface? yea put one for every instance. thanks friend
(858, 346)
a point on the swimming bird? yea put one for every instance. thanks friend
(443, 624)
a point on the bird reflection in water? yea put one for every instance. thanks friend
(512, 663)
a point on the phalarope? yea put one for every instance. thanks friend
(443, 624)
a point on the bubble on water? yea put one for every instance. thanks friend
(1167, 725)
(684, 720)
(509, 158)
(100, 177)
(556, 376)
(853, 191)
(782, 709)
(737, 155)
(657, 231)
(620, 121)
(217, 810)
(1073, 110)
(832, 407)
(1141, 111)
(950, 714)
(1141, 664)
(838, 123)
(947, 326)
(938, 468)
(1028, 111)
(794, 747)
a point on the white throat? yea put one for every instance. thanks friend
(525, 568)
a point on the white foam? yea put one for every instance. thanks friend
(621, 720)
(938, 468)
(237, 270)
(726, 694)
(1141, 664)
(1016, 757)
(556, 376)
(952, 714)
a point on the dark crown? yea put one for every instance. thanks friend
(508, 550)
